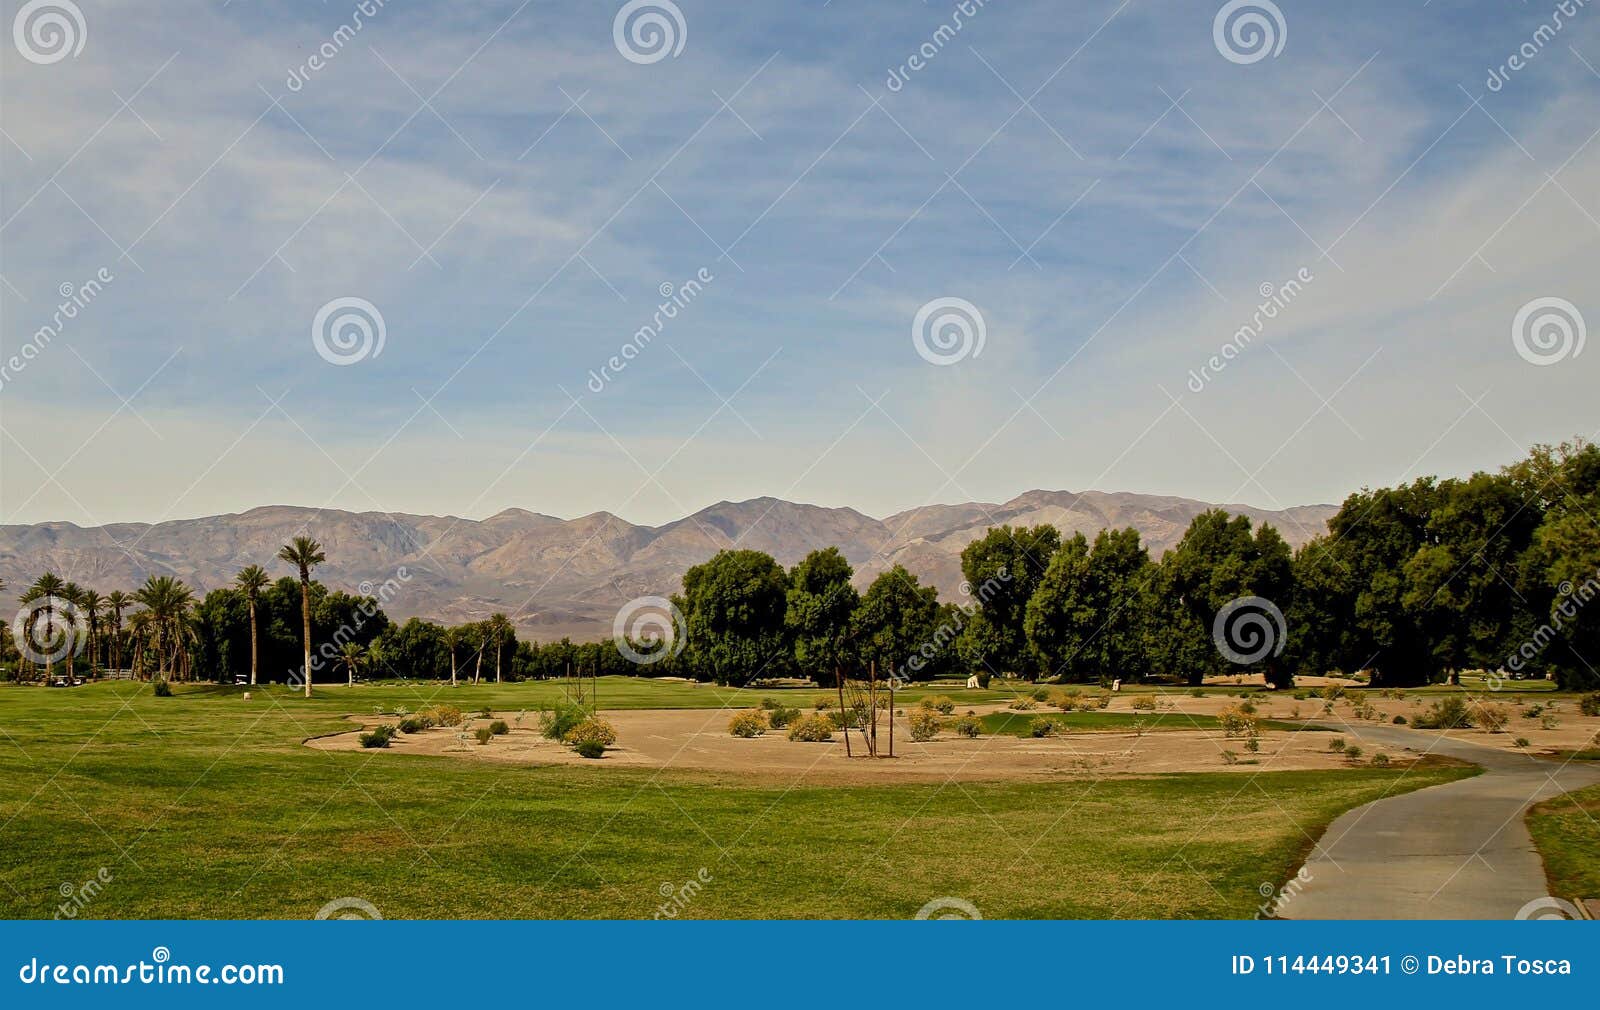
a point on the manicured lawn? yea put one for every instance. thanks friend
(205, 805)
(1567, 831)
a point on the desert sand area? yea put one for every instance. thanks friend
(698, 739)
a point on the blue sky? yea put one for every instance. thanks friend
(1105, 187)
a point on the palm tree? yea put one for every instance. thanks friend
(74, 597)
(305, 554)
(116, 602)
(46, 587)
(93, 605)
(251, 581)
(452, 637)
(166, 603)
(499, 629)
(352, 657)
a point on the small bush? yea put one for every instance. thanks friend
(1230, 758)
(782, 716)
(499, 727)
(1446, 713)
(591, 729)
(924, 725)
(768, 704)
(1253, 744)
(1039, 694)
(1023, 704)
(823, 703)
(1380, 760)
(445, 715)
(1333, 692)
(1197, 693)
(1589, 704)
(1520, 741)
(1491, 717)
(1237, 722)
(483, 734)
(944, 706)
(1144, 703)
(591, 749)
(557, 723)
(161, 689)
(1548, 721)
(1042, 728)
(379, 737)
(1247, 707)
(811, 729)
(486, 712)
(748, 725)
(1352, 754)
(1399, 720)
(983, 680)
(1336, 744)
(968, 726)
(1301, 695)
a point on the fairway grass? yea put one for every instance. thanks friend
(205, 805)
(1566, 830)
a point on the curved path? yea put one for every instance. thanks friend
(1456, 851)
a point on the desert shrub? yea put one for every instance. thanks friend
(378, 737)
(1247, 707)
(1197, 693)
(1589, 704)
(1352, 753)
(811, 729)
(483, 734)
(1023, 704)
(1230, 758)
(944, 706)
(782, 716)
(161, 689)
(1491, 717)
(1533, 712)
(823, 703)
(748, 724)
(486, 712)
(1253, 744)
(1042, 728)
(499, 727)
(968, 726)
(445, 715)
(590, 749)
(1399, 720)
(768, 704)
(556, 723)
(1039, 694)
(1336, 744)
(1548, 721)
(1237, 722)
(1380, 760)
(1446, 713)
(924, 725)
(1066, 701)
(1301, 695)
(597, 730)
(1144, 703)
(414, 724)
(1333, 692)
(1103, 701)
(1520, 741)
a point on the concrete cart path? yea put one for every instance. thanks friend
(1454, 851)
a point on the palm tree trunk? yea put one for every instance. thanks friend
(497, 662)
(452, 666)
(305, 621)
(253, 650)
(477, 667)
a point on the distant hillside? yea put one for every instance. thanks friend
(568, 576)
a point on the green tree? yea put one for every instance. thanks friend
(817, 614)
(304, 554)
(1087, 619)
(894, 625)
(251, 580)
(1002, 568)
(734, 606)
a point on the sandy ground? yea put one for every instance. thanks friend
(699, 740)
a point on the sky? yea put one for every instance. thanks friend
(1102, 194)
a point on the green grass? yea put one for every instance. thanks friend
(1566, 830)
(1020, 723)
(205, 805)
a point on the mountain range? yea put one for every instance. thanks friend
(558, 577)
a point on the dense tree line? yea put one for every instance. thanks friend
(1414, 583)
